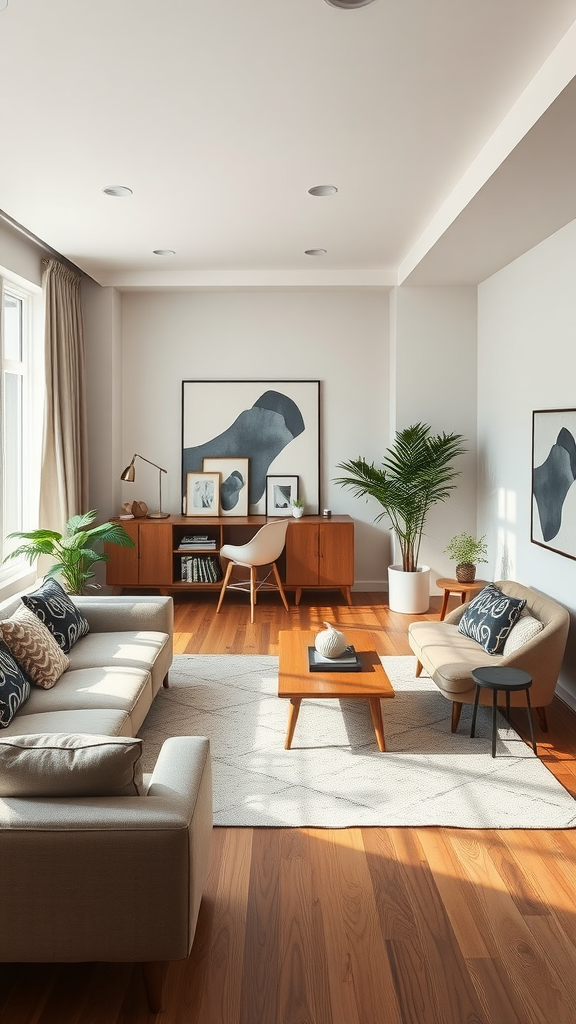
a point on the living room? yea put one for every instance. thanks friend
(467, 325)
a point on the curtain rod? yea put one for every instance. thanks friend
(31, 237)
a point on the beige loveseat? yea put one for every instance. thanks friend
(108, 878)
(449, 657)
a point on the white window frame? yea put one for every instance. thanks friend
(17, 573)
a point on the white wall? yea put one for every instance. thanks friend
(526, 361)
(19, 255)
(339, 337)
(433, 380)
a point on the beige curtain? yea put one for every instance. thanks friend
(64, 475)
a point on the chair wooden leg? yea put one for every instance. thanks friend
(253, 581)
(280, 587)
(542, 721)
(154, 974)
(456, 711)
(224, 585)
(418, 668)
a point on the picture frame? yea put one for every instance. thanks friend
(234, 475)
(273, 423)
(553, 510)
(202, 494)
(280, 493)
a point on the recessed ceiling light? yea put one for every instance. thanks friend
(117, 190)
(323, 190)
(315, 252)
(164, 252)
(349, 5)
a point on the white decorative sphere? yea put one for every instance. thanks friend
(330, 643)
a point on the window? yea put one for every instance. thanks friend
(21, 411)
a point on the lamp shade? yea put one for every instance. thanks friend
(129, 474)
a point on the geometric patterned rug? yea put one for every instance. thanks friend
(334, 776)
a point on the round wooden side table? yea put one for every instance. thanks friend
(456, 587)
(508, 680)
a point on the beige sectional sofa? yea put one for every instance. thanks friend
(449, 657)
(108, 878)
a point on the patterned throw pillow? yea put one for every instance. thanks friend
(55, 609)
(14, 688)
(489, 618)
(34, 648)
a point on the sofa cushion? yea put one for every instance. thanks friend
(117, 687)
(448, 655)
(66, 765)
(14, 687)
(489, 617)
(55, 609)
(34, 647)
(106, 721)
(138, 649)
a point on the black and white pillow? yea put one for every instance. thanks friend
(14, 687)
(55, 609)
(489, 618)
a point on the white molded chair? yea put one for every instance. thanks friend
(264, 548)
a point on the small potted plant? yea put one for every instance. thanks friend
(297, 508)
(466, 551)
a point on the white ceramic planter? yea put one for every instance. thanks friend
(297, 512)
(409, 592)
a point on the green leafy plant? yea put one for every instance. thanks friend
(75, 551)
(465, 548)
(416, 473)
(298, 502)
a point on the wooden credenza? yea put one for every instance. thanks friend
(319, 553)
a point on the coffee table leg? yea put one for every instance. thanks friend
(376, 712)
(292, 719)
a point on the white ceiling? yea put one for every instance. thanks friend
(447, 125)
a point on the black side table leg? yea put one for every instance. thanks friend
(475, 711)
(508, 705)
(494, 713)
(529, 710)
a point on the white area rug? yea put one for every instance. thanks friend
(334, 775)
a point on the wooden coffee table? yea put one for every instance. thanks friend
(297, 682)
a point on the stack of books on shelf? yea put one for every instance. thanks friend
(200, 569)
(197, 541)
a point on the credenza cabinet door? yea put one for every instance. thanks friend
(336, 554)
(302, 554)
(155, 554)
(122, 564)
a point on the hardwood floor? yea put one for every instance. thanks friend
(348, 926)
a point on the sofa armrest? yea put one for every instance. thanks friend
(120, 614)
(455, 616)
(110, 878)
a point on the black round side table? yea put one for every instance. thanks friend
(507, 680)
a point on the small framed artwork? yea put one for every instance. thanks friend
(202, 494)
(280, 493)
(233, 483)
(553, 523)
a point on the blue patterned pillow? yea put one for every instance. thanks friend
(14, 687)
(55, 609)
(489, 618)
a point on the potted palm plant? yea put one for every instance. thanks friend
(416, 473)
(75, 551)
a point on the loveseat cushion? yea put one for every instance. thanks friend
(70, 765)
(525, 629)
(34, 647)
(489, 617)
(117, 687)
(14, 687)
(57, 611)
(448, 655)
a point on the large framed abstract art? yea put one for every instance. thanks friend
(275, 424)
(553, 522)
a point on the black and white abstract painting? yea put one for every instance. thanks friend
(553, 477)
(275, 424)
